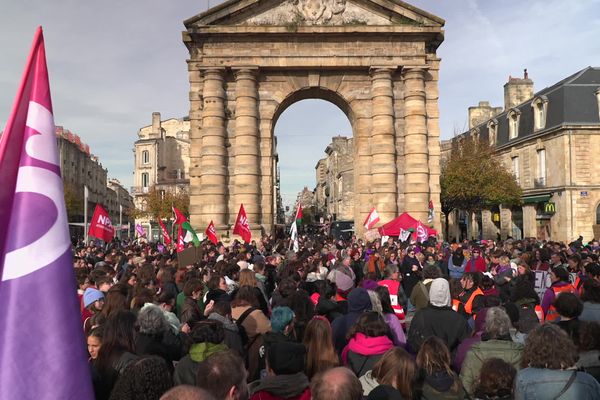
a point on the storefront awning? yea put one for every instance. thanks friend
(541, 198)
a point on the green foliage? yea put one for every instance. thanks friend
(73, 201)
(473, 179)
(159, 203)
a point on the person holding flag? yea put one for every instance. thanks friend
(294, 228)
(46, 358)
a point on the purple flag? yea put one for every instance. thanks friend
(140, 230)
(42, 347)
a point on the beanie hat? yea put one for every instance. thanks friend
(359, 300)
(91, 295)
(286, 358)
(439, 293)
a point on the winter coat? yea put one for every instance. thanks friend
(190, 312)
(538, 383)
(168, 346)
(186, 369)
(362, 352)
(281, 387)
(441, 386)
(393, 322)
(328, 308)
(456, 271)
(420, 294)
(591, 312)
(506, 350)
(358, 302)
(409, 277)
(442, 322)
(233, 339)
(476, 264)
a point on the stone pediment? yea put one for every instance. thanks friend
(314, 12)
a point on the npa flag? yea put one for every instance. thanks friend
(179, 217)
(422, 232)
(241, 225)
(372, 219)
(211, 233)
(101, 227)
(430, 215)
(165, 233)
(140, 230)
(46, 357)
(180, 242)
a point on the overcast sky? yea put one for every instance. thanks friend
(112, 63)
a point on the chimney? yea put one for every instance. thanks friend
(482, 113)
(156, 127)
(517, 91)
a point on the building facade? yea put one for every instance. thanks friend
(161, 161)
(549, 141)
(334, 192)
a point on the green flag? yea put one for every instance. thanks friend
(186, 225)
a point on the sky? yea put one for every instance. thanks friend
(112, 63)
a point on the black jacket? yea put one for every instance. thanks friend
(442, 322)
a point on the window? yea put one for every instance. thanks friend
(513, 117)
(492, 131)
(145, 157)
(539, 105)
(515, 169)
(541, 163)
(145, 180)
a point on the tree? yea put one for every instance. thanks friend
(158, 203)
(73, 201)
(474, 179)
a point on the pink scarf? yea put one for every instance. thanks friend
(366, 346)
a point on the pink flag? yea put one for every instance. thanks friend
(372, 219)
(242, 227)
(100, 226)
(35, 254)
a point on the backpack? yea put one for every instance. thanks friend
(243, 334)
(527, 319)
(252, 348)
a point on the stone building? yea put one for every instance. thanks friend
(80, 168)
(335, 180)
(161, 160)
(249, 61)
(549, 140)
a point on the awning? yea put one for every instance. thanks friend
(541, 198)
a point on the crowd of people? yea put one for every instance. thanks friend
(343, 320)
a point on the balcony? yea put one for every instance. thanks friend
(539, 182)
(139, 190)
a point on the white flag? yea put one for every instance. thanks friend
(404, 235)
(294, 236)
(372, 219)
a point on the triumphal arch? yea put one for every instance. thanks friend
(251, 59)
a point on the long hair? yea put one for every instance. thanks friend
(320, 352)
(248, 278)
(118, 338)
(434, 356)
(396, 368)
(384, 298)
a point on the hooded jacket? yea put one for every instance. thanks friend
(358, 301)
(233, 340)
(440, 385)
(186, 369)
(281, 387)
(362, 352)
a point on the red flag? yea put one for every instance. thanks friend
(372, 219)
(180, 243)
(165, 233)
(241, 225)
(179, 217)
(101, 227)
(211, 233)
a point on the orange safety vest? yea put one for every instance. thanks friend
(455, 304)
(539, 311)
(552, 315)
(469, 303)
(393, 288)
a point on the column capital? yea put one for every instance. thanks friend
(213, 72)
(245, 72)
(414, 69)
(382, 70)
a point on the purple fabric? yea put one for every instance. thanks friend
(42, 348)
(397, 331)
(549, 295)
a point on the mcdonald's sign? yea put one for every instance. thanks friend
(549, 208)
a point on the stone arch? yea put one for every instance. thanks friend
(250, 60)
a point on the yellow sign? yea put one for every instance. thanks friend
(549, 208)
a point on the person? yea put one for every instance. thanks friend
(94, 342)
(389, 315)
(397, 369)
(420, 294)
(190, 311)
(320, 352)
(285, 378)
(476, 263)
(375, 266)
(560, 284)
(438, 319)
(457, 264)
(495, 342)
(223, 375)
(411, 271)
(495, 380)
(398, 298)
(569, 308)
(439, 381)
(358, 302)
(207, 338)
(155, 336)
(186, 392)
(589, 349)
(147, 378)
(591, 301)
(220, 310)
(464, 346)
(93, 302)
(248, 278)
(472, 296)
(116, 353)
(368, 340)
(548, 368)
(336, 383)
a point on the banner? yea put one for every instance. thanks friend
(165, 233)
(372, 219)
(211, 233)
(242, 227)
(100, 226)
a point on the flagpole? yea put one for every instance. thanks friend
(85, 213)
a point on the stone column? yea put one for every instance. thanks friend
(416, 167)
(197, 219)
(383, 151)
(246, 147)
(213, 156)
(362, 163)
